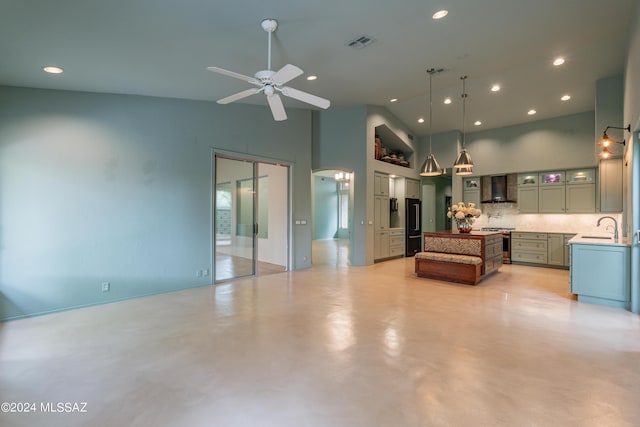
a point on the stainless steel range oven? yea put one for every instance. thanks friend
(506, 242)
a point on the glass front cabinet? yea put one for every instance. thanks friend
(552, 178)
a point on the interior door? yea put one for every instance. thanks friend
(235, 218)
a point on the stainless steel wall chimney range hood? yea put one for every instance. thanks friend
(499, 188)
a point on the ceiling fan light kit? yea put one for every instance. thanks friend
(271, 83)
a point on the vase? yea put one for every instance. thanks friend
(464, 227)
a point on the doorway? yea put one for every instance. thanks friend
(332, 214)
(251, 217)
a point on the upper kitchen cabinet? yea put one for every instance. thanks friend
(528, 192)
(551, 199)
(610, 178)
(381, 184)
(471, 190)
(580, 191)
(551, 179)
(551, 192)
(412, 188)
(571, 191)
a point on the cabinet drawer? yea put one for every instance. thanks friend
(396, 240)
(493, 240)
(525, 235)
(530, 245)
(528, 256)
(396, 250)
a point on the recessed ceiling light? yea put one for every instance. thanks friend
(495, 88)
(393, 99)
(558, 61)
(565, 97)
(312, 77)
(420, 120)
(531, 112)
(440, 14)
(52, 70)
(447, 100)
(477, 123)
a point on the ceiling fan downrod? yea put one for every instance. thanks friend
(269, 25)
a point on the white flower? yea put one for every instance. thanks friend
(460, 215)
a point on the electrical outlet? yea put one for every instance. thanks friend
(205, 272)
(106, 286)
(198, 273)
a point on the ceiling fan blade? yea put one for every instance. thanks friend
(286, 73)
(238, 96)
(305, 97)
(277, 109)
(234, 75)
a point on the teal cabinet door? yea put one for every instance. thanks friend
(600, 274)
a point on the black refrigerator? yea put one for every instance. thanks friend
(413, 226)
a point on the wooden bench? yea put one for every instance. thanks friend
(449, 267)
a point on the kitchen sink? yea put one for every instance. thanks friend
(597, 237)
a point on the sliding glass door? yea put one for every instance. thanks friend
(234, 218)
(251, 218)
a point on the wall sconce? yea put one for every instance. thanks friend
(607, 141)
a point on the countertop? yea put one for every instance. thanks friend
(605, 239)
(450, 233)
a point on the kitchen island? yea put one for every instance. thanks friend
(459, 257)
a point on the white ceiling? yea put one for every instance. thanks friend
(161, 48)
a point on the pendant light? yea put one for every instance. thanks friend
(463, 164)
(430, 167)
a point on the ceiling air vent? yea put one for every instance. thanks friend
(361, 42)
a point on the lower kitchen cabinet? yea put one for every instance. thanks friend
(555, 249)
(528, 247)
(396, 243)
(567, 251)
(546, 249)
(492, 253)
(600, 274)
(381, 245)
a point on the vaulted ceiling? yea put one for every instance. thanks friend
(162, 47)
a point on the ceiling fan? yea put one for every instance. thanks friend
(271, 82)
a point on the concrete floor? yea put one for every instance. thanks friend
(332, 346)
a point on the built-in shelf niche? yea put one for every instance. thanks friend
(394, 144)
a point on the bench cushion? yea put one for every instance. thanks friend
(459, 259)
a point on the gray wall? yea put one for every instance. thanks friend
(339, 143)
(632, 152)
(109, 188)
(325, 208)
(562, 143)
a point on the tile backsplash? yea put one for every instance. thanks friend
(506, 215)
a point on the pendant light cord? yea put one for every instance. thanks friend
(464, 109)
(430, 71)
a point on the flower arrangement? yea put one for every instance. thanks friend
(464, 215)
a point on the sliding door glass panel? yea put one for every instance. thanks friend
(235, 219)
(273, 218)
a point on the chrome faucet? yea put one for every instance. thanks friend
(615, 233)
